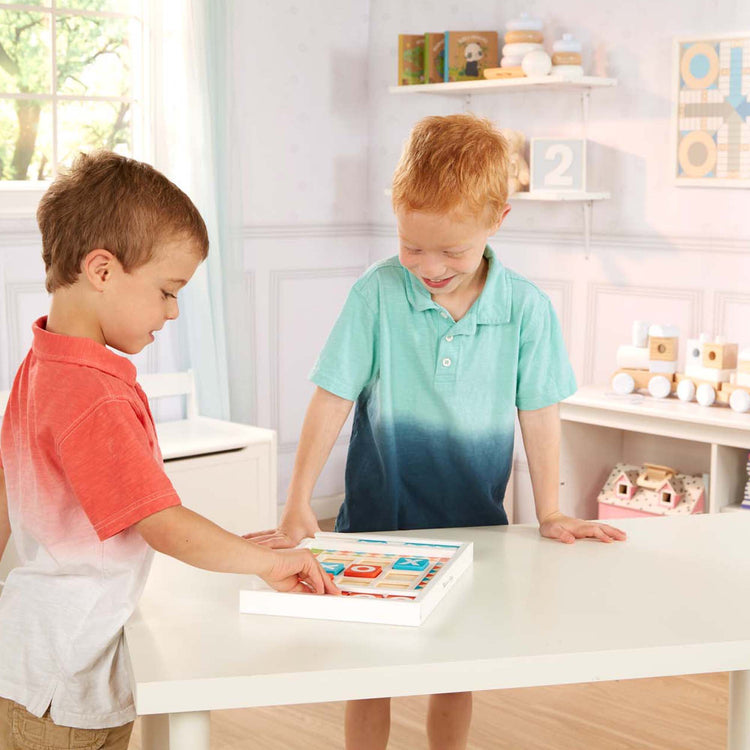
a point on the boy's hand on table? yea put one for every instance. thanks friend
(295, 526)
(566, 529)
(297, 570)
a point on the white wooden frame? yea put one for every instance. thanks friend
(265, 601)
(674, 119)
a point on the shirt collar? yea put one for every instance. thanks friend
(80, 351)
(492, 306)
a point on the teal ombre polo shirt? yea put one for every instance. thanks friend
(432, 440)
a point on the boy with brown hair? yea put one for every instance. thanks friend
(82, 486)
(440, 348)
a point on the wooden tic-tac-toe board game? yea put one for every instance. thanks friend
(383, 579)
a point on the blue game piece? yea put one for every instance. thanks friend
(333, 568)
(411, 563)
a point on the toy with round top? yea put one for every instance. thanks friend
(566, 57)
(522, 36)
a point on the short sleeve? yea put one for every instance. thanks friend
(545, 376)
(112, 468)
(348, 361)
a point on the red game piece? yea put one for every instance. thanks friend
(363, 571)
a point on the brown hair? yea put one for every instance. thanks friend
(454, 163)
(118, 204)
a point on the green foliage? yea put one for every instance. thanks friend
(93, 58)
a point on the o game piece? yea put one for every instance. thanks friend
(363, 571)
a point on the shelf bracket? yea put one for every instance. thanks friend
(585, 98)
(587, 209)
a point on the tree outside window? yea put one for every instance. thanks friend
(70, 81)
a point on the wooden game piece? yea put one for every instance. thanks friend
(411, 563)
(536, 63)
(496, 73)
(568, 43)
(357, 570)
(566, 58)
(519, 50)
(334, 568)
(567, 72)
(524, 23)
(524, 36)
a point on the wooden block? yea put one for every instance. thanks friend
(524, 36)
(496, 73)
(334, 568)
(412, 563)
(720, 356)
(662, 348)
(566, 58)
(357, 570)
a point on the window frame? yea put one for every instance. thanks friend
(19, 198)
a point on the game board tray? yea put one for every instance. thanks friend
(384, 579)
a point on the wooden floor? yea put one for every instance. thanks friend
(676, 713)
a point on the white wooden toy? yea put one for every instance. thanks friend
(558, 164)
(523, 35)
(714, 370)
(650, 490)
(383, 579)
(566, 58)
(536, 64)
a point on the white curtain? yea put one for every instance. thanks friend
(189, 111)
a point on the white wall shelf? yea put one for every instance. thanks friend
(600, 429)
(582, 86)
(553, 195)
(547, 83)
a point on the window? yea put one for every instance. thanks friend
(71, 79)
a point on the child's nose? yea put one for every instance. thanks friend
(173, 312)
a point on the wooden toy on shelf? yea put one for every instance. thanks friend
(649, 362)
(522, 36)
(714, 370)
(650, 490)
(566, 58)
(518, 169)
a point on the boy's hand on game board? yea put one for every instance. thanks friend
(297, 570)
(295, 526)
(566, 529)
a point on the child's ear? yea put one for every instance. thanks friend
(501, 218)
(97, 268)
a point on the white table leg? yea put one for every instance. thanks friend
(184, 731)
(738, 735)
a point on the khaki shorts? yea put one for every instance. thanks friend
(20, 730)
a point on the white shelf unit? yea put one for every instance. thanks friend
(464, 88)
(583, 86)
(600, 428)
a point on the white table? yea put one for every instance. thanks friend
(672, 600)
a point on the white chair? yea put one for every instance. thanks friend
(224, 470)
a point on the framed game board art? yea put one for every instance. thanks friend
(711, 113)
(384, 579)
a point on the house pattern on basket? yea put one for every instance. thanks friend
(669, 494)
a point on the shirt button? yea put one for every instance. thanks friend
(446, 362)
(449, 338)
(443, 314)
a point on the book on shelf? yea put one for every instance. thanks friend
(468, 53)
(434, 57)
(410, 59)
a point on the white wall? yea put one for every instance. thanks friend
(316, 138)
(300, 112)
(658, 252)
